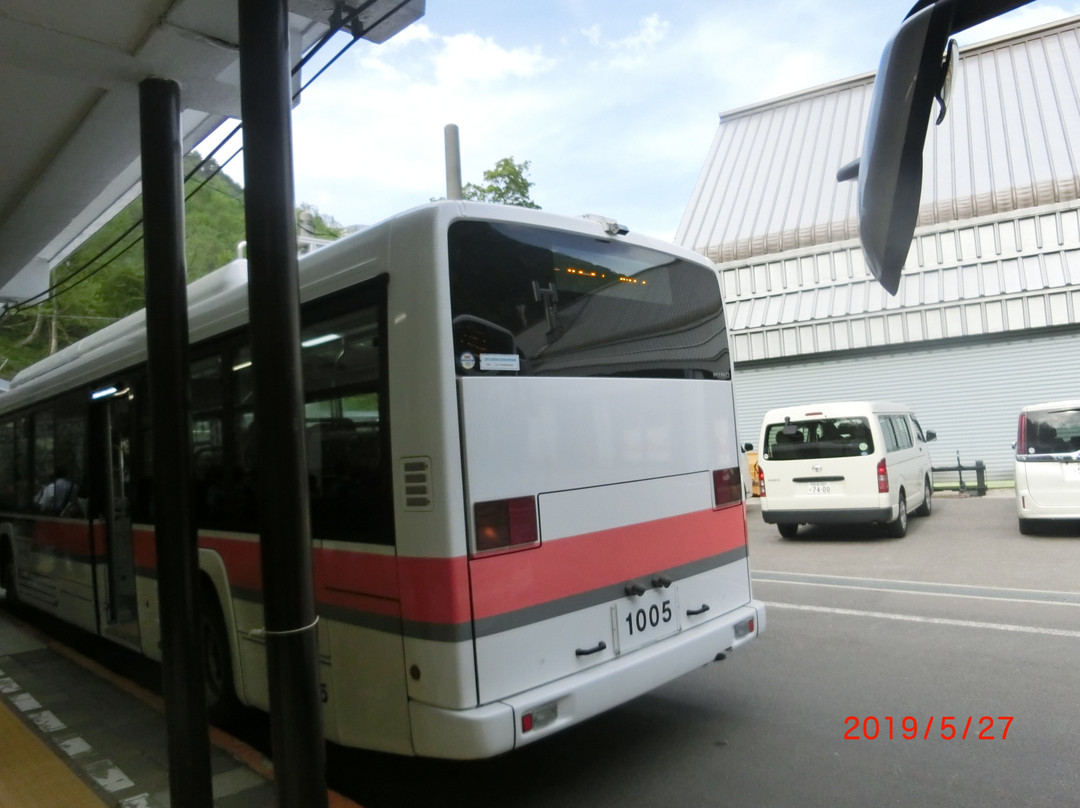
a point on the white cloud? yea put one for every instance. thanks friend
(1022, 18)
(469, 58)
(650, 31)
(614, 104)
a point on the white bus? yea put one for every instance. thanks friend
(526, 501)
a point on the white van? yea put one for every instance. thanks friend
(1047, 467)
(844, 462)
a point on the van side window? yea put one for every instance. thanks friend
(903, 432)
(918, 429)
(888, 432)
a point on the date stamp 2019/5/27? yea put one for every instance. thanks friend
(946, 727)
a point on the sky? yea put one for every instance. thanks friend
(613, 103)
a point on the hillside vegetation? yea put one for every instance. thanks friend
(103, 280)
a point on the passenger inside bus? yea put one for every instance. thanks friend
(59, 495)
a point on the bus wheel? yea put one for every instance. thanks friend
(7, 571)
(221, 699)
(788, 529)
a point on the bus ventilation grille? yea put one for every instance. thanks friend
(416, 483)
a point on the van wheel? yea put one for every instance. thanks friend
(897, 528)
(927, 503)
(788, 529)
(221, 701)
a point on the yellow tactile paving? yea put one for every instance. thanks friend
(32, 776)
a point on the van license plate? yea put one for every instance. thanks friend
(818, 488)
(642, 620)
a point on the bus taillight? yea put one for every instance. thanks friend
(882, 477)
(727, 487)
(505, 523)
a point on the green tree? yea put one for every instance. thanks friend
(310, 222)
(506, 184)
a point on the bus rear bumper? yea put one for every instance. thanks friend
(496, 728)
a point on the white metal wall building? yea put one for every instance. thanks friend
(987, 316)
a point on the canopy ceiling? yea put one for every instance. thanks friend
(69, 132)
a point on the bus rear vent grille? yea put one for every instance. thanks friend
(416, 483)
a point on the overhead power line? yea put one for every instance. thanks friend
(88, 270)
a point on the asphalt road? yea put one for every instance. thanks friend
(963, 618)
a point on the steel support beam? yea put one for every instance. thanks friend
(273, 295)
(170, 402)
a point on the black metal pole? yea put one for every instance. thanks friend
(170, 402)
(299, 751)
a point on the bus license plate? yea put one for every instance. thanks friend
(645, 619)
(818, 488)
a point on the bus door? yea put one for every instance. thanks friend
(111, 509)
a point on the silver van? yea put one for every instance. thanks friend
(844, 462)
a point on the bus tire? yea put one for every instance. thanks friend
(221, 701)
(7, 571)
(789, 530)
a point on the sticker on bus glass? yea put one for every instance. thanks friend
(507, 363)
(467, 360)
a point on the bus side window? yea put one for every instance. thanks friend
(70, 453)
(8, 472)
(43, 443)
(211, 497)
(348, 472)
(24, 483)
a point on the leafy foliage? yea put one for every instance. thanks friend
(103, 280)
(506, 184)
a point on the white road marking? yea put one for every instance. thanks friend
(934, 589)
(937, 621)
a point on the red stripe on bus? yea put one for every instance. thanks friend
(69, 538)
(143, 549)
(352, 573)
(570, 566)
(435, 590)
(241, 557)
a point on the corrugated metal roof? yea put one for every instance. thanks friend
(990, 275)
(769, 180)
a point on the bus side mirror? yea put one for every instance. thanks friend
(748, 447)
(930, 435)
(914, 70)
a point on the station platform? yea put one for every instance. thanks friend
(74, 734)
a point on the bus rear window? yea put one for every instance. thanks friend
(824, 437)
(531, 301)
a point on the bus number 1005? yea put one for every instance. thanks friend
(641, 620)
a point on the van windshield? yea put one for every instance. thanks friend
(818, 437)
(1052, 431)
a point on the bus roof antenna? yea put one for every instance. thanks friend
(611, 227)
